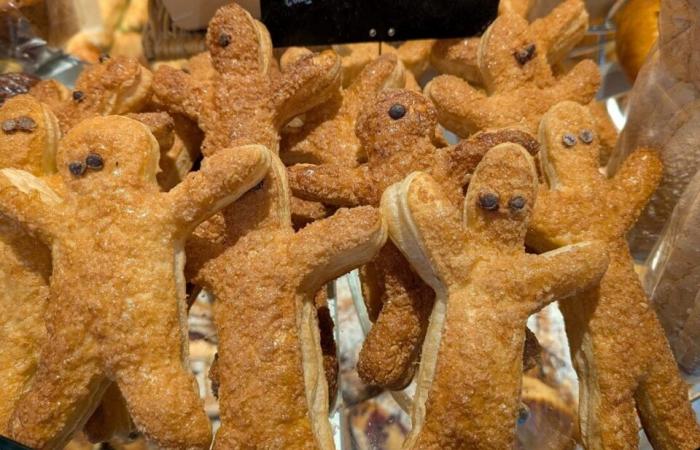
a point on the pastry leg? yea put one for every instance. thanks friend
(65, 391)
(390, 352)
(662, 402)
(174, 421)
(606, 384)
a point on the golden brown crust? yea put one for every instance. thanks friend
(469, 379)
(519, 83)
(328, 134)
(396, 147)
(179, 140)
(274, 304)
(243, 96)
(556, 34)
(51, 93)
(618, 347)
(118, 85)
(390, 353)
(107, 319)
(25, 264)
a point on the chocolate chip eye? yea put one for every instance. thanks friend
(397, 111)
(488, 201)
(569, 140)
(26, 123)
(516, 203)
(586, 136)
(104, 57)
(94, 161)
(22, 123)
(9, 125)
(78, 96)
(76, 168)
(525, 54)
(224, 40)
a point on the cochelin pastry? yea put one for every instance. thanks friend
(486, 287)
(272, 387)
(519, 83)
(396, 130)
(555, 34)
(116, 311)
(617, 345)
(28, 140)
(247, 100)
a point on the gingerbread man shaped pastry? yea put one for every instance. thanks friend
(555, 35)
(28, 140)
(617, 344)
(328, 134)
(116, 311)
(246, 97)
(519, 83)
(486, 287)
(116, 85)
(272, 390)
(396, 131)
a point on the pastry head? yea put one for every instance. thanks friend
(29, 135)
(501, 195)
(115, 86)
(508, 55)
(570, 146)
(237, 42)
(395, 121)
(106, 153)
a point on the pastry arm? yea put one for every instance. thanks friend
(178, 92)
(425, 225)
(461, 160)
(459, 105)
(331, 247)
(331, 184)
(31, 202)
(563, 272)
(636, 181)
(560, 30)
(223, 178)
(580, 84)
(305, 84)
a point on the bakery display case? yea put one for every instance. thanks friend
(363, 225)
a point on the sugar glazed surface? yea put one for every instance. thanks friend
(260, 180)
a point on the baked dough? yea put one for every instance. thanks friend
(116, 310)
(518, 81)
(28, 140)
(617, 345)
(272, 390)
(469, 380)
(396, 144)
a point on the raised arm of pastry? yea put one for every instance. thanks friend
(332, 184)
(333, 246)
(178, 91)
(224, 177)
(30, 201)
(457, 103)
(637, 180)
(563, 272)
